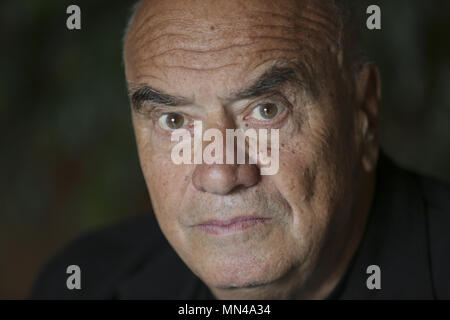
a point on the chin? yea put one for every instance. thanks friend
(249, 272)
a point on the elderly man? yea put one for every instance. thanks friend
(336, 220)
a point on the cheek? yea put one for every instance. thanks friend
(307, 178)
(296, 181)
(166, 181)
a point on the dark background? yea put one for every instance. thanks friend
(68, 159)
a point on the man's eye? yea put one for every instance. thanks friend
(171, 121)
(266, 111)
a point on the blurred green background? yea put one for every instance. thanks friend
(68, 157)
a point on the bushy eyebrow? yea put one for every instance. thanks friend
(143, 93)
(273, 78)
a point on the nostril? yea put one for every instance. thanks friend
(248, 175)
(223, 178)
(197, 183)
(217, 179)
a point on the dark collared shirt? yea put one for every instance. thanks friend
(407, 236)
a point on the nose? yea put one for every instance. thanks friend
(223, 179)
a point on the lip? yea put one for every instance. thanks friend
(234, 225)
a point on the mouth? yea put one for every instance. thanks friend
(235, 225)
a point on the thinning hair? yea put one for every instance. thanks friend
(134, 8)
(350, 13)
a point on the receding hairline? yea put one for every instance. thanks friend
(348, 39)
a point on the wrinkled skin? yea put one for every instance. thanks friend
(319, 200)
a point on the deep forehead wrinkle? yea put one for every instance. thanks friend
(179, 37)
(214, 43)
(166, 33)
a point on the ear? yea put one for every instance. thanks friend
(368, 96)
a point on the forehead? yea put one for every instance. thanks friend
(225, 43)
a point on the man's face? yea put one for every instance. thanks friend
(204, 52)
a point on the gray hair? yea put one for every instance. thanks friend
(134, 8)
